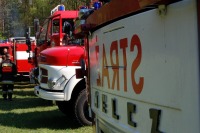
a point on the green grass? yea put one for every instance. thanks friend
(29, 114)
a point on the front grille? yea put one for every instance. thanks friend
(44, 75)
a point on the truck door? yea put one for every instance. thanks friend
(20, 56)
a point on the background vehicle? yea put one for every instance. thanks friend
(51, 33)
(143, 64)
(57, 64)
(17, 49)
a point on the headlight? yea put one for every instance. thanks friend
(56, 84)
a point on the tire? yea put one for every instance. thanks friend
(65, 107)
(81, 109)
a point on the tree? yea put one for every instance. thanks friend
(15, 17)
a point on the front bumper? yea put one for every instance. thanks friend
(54, 96)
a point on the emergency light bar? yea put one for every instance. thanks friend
(96, 5)
(58, 8)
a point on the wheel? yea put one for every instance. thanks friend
(65, 107)
(81, 109)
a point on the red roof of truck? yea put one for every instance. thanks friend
(66, 14)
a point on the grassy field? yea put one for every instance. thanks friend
(30, 114)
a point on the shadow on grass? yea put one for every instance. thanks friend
(22, 99)
(20, 92)
(53, 119)
(24, 103)
(23, 92)
(28, 111)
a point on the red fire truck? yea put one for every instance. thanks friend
(143, 66)
(17, 48)
(57, 64)
(56, 25)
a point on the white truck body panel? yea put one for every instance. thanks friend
(168, 72)
(65, 86)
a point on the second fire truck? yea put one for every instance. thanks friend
(59, 55)
(17, 48)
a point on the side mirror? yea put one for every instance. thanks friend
(28, 41)
(36, 25)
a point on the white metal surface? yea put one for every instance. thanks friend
(58, 96)
(165, 78)
(23, 55)
(65, 87)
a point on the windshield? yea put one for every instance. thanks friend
(65, 22)
(75, 42)
(43, 31)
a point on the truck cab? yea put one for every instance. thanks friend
(52, 33)
(59, 55)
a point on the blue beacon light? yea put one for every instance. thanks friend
(96, 5)
(61, 8)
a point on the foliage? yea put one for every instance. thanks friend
(19, 14)
(1, 36)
